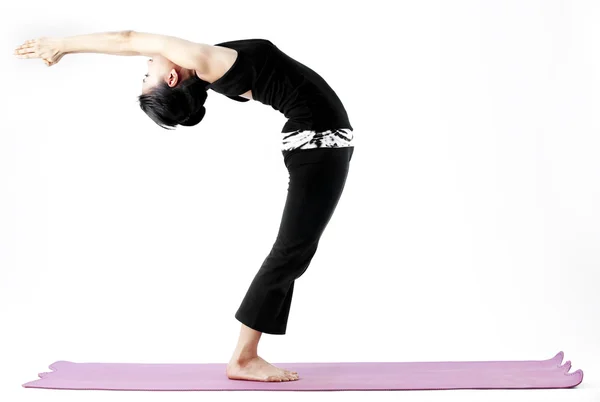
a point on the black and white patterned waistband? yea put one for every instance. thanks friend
(306, 139)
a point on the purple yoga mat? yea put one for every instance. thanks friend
(315, 376)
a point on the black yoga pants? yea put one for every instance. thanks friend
(316, 180)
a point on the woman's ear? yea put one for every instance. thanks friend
(172, 78)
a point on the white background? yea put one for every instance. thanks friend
(469, 228)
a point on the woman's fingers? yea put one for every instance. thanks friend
(27, 56)
(27, 50)
(24, 49)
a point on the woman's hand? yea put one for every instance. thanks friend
(47, 49)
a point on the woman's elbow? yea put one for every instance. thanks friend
(126, 34)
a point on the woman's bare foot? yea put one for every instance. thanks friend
(257, 369)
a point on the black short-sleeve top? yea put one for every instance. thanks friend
(302, 95)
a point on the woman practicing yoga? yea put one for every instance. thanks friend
(316, 143)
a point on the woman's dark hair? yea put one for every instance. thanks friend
(182, 104)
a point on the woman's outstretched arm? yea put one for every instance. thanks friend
(102, 42)
(182, 52)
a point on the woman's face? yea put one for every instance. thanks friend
(160, 70)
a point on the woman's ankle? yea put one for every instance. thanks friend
(244, 354)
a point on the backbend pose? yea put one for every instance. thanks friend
(316, 143)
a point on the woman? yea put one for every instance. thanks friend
(316, 146)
